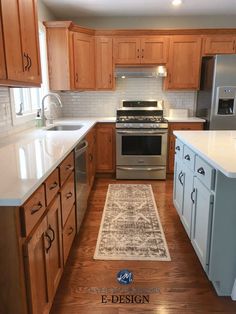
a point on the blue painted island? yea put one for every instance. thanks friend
(205, 198)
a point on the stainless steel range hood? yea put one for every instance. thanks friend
(141, 71)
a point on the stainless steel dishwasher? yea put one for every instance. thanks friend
(81, 181)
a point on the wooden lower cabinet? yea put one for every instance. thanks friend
(43, 261)
(105, 147)
(171, 139)
(69, 232)
(39, 237)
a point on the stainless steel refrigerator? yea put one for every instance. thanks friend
(216, 99)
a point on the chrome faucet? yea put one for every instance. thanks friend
(43, 106)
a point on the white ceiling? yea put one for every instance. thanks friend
(76, 8)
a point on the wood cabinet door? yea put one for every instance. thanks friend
(30, 40)
(201, 221)
(126, 50)
(154, 50)
(84, 71)
(12, 40)
(37, 270)
(105, 147)
(104, 63)
(55, 252)
(3, 73)
(216, 44)
(184, 62)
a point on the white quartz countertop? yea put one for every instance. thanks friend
(27, 158)
(184, 119)
(218, 148)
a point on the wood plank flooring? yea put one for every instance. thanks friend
(183, 285)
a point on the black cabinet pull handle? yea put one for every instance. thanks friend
(192, 199)
(177, 148)
(53, 233)
(49, 242)
(69, 195)
(27, 61)
(70, 231)
(53, 186)
(201, 171)
(187, 157)
(76, 77)
(69, 167)
(180, 176)
(36, 208)
(30, 62)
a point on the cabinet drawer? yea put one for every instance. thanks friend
(52, 186)
(184, 126)
(32, 210)
(67, 197)
(66, 167)
(69, 234)
(205, 173)
(189, 157)
(179, 146)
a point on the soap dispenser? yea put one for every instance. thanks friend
(38, 119)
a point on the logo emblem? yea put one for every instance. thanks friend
(124, 277)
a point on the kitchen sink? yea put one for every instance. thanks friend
(65, 127)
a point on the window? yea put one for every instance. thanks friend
(26, 101)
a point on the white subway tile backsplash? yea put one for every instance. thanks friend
(105, 103)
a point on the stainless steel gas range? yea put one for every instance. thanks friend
(141, 141)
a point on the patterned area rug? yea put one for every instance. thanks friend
(131, 227)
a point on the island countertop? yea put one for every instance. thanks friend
(218, 148)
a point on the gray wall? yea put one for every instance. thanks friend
(44, 14)
(159, 22)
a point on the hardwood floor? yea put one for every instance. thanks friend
(182, 283)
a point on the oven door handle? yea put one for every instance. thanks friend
(141, 168)
(142, 132)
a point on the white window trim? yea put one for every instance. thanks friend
(17, 120)
(26, 117)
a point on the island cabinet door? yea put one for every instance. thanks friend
(37, 270)
(201, 222)
(179, 177)
(187, 200)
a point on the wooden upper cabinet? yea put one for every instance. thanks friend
(84, 63)
(215, 44)
(71, 56)
(184, 62)
(104, 63)
(21, 41)
(59, 70)
(141, 50)
(30, 40)
(154, 50)
(126, 50)
(3, 73)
